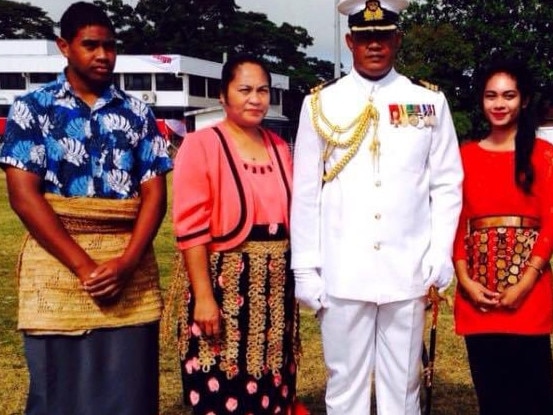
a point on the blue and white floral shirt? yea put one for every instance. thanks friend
(106, 151)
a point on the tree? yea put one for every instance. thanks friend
(194, 28)
(428, 52)
(448, 41)
(282, 47)
(211, 29)
(131, 29)
(23, 21)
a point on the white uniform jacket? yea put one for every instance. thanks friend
(376, 232)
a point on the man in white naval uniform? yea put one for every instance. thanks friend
(376, 201)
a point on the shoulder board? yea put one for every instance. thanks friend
(426, 84)
(323, 85)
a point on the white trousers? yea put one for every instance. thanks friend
(362, 338)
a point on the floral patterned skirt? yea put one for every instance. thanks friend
(251, 368)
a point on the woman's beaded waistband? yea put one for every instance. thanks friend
(504, 221)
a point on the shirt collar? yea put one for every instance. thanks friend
(371, 87)
(66, 90)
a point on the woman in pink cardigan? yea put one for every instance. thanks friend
(239, 329)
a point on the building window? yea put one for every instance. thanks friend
(168, 82)
(138, 82)
(42, 78)
(213, 88)
(275, 96)
(12, 81)
(196, 86)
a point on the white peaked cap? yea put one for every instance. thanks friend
(348, 7)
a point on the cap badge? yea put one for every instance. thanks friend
(373, 11)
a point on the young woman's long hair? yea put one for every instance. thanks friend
(526, 125)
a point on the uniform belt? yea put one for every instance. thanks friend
(504, 221)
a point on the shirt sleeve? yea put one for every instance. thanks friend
(446, 176)
(305, 219)
(24, 142)
(459, 248)
(192, 199)
(152, 150)
(543, 190)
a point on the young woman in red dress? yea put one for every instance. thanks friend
(503, 303)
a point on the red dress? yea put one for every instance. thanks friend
(496, 256)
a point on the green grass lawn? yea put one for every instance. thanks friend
(453, 393)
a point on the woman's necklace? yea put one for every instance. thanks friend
(249, 144)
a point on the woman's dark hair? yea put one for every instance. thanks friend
(229, 70)
(526, 127)
(82, 14)
(544, 104)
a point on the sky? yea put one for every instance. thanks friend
(316, 16)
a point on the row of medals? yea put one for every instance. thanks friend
(403, 116)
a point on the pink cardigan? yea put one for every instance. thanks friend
(212, 201)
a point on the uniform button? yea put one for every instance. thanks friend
(377, 216)
(377, 246)
(378, 183)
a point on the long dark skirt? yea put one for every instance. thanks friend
(105, 372)
(251, 369)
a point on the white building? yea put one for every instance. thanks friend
(174, 85)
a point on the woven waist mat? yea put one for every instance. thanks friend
(51, 296)
(93, 215)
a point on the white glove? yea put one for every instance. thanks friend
(440, 274)
(309, 288)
